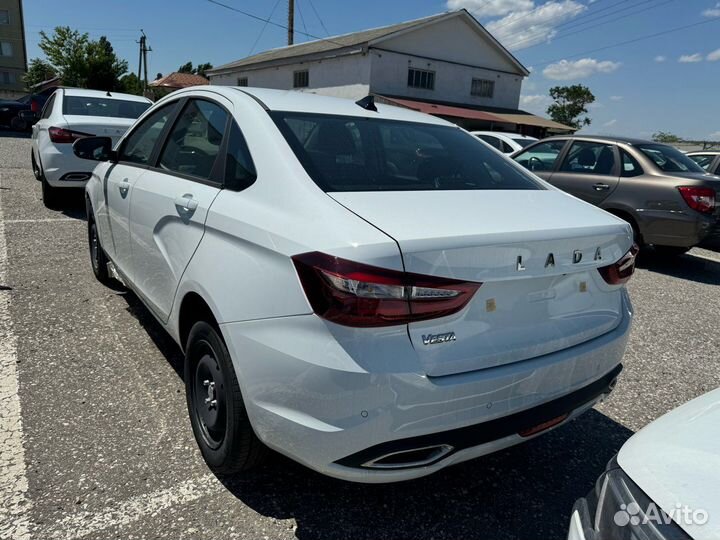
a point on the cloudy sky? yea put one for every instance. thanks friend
(669, 82)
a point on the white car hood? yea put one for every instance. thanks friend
(676, 461)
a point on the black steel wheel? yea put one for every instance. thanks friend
(98, 259)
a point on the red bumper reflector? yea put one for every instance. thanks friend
(543, 426)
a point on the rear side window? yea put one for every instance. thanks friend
(492, 141)
(669, 159)
(541, 157)
(105, 107)
(345, 153)
(630, 166)
(704, 160)
(193, 143)
(48, 107)
(589, 158)
(239, 166)
(139, 145)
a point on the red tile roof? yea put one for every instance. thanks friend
(444, 110)
(179, 80)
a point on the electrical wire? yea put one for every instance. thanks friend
(302, 19)
(262, 31)
(322, 24)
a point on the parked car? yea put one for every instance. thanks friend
(667, 198)
(663, 484)
(366, 289)
(507, 143)
(707, 159)
(69, 114)
(10, 114)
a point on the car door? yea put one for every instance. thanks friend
(589, 170)
(40, 128)
(135, 154)
(170, 201)
(541, 158)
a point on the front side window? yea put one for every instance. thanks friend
(482, 88)
(345, 153)
(421, 78)
(669, 159)
(139, 145)
(6, 48)
(704, 160)
(193, 143)
(523, 143)
(301, 79)
(105, 107)
(541, 157)
(589, 158)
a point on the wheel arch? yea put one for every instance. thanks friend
(193, 308)
(626, 215)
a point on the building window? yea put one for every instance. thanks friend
(482, 88)
(421, 78)
(301, 79)
(4, 16)
(5, 48)
(7, 77)
(242, 81)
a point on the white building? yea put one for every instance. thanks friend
(446, 64)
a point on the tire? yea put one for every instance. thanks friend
(35, 167)
(217, 411)
(671, 251)
(98, 259)
(50, 195)
(18, 124)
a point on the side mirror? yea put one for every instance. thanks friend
(94, 148)
(29, 116)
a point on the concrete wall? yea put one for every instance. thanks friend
(452, 81)
(15, 65)
(344, 76)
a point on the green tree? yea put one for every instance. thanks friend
(82, 62)
(38, 71)
(130, 84)
(199, 70)
(202, 69)
(570, 105)
(186, 68)
(666, 137)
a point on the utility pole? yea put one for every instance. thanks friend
(142, 61)
(291, 22)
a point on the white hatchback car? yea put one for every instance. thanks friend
(507, 143)
(370, 291)
(69, 114)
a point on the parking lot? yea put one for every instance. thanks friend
(84, 372)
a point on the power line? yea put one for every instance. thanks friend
(302, 19)
(578, 29)
(273, 23)
(312, 5)
(262, 31)
(628, 42)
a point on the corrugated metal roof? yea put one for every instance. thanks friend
(443, 110)
(532, 120)
(327, 44)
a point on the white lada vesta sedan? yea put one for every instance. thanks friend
(370, 291)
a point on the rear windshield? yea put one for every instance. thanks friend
(345, 153)
(524, 142)
(669, 159)
(97, 106)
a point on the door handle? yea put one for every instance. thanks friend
(124, 187)
(186, 203)
(601, 187)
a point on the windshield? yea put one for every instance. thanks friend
(669, 159)
(345, 153)
(96, 106)
(524, 142)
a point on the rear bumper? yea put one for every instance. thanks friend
(675, 228)
(314, 400)
(60, 165)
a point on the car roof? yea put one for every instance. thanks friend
(608, 138)
(505, 133)
(307, 102)
(83, 92)
(704, 152)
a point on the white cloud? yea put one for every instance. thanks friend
(535, 103)
(616, 98)
(565, 70)
(610, 123)
(660, 58)
(690, 58)
(596, 105)
(714, 136)
(713, 56)
(491, 8)
(712, 12)
(525, 28)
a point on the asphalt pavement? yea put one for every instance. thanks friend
(95, 441)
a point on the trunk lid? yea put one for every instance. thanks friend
(100, 126)
(527, 306)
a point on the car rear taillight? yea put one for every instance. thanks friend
(62, 135)
(34, 105)
(356, 294)
(701, 199)
(621, 271)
